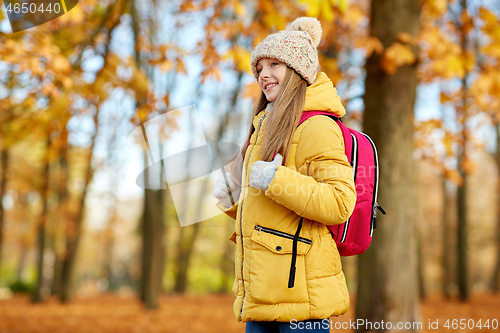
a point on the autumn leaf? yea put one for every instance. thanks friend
(407, 38)
(371, 44)
(327, 11)
(179, 67)
(453, 176)
(239, 8)
(241, 58)
(396, 56)
(166, 65)
(252, 90)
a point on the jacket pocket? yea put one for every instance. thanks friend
(270, 261)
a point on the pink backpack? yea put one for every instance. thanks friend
(355, 235)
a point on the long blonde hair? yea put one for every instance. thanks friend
(283, 118)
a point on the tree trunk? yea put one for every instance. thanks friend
(185, 250)
(422, 293)
(495, 283)
(74, 232)
(387, 272)
(62, 198)
(3, 182)
(227, 262)
(462, 211)
(153, 251)
(462, 262)
(37, 292)
(446, 259)
(22, 263)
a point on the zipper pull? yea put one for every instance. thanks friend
(380, 208)
(262, 118)
(260, 229)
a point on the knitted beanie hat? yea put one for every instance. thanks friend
(295, 46)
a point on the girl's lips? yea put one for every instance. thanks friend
(270, 86)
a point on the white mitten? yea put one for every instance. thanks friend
(226, 190)
(262, 173)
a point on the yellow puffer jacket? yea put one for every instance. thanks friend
(317, 184)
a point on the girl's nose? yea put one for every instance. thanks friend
(264, 74)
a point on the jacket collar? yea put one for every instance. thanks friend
(322, 96)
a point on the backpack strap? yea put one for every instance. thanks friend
(348, 140)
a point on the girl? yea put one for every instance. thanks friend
(292, 182)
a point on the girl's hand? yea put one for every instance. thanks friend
(226, 190)
(262, 173)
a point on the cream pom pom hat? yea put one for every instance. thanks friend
(295, 46)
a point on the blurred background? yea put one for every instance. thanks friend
(78, 234)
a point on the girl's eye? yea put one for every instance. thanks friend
(259, 70)
(275, 63)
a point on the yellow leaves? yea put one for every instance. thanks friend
(239, 8)
(259, 35)
(166, 65)
(49, 89)
(189, 6)
(395, 56)
(324, 8)
(434, 8)
(327, 11)
(353, 17)
(468, 165)
(11, 51)
(60, 64)
(252, 91)
(211, 71)
(452, 65)
(407, 38)
(140, 83)
(400, 53)
(443, 57)
(453, 175)
(331, 68)
(491, 27)
(143, 113)
(486, 88)
(179, 67)
(492, 50)
(343, 5)
(274, 19)
(371, 44)
(240, 56)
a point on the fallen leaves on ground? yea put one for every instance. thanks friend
(185, 314)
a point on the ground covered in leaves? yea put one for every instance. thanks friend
(206, 314)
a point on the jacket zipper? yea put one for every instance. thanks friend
(241, 219)
(280, 234)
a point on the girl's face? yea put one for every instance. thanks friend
(271, 77)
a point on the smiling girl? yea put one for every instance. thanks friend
(295, 180)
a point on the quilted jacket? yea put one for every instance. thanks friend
(317, 184)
